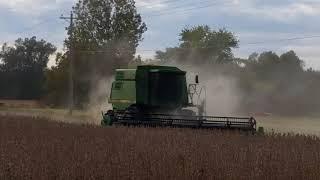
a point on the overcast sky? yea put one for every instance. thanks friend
(260, 25)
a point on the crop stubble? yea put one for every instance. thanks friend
(38, 149)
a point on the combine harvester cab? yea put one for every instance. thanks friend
(160, 96)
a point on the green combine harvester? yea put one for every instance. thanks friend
(160, 96)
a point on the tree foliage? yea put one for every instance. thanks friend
(200, 44)
(105, 36)
(23, 68)
(57, 82)
(111, 30)
(106, 39)
(279, 84)
(266, 82)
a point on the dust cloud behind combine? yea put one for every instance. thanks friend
(220, 91)
(98, 98)
(222, 94)
(223, 97)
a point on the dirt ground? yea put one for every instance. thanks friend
(21, 103)
(60, 115)
(301, 125)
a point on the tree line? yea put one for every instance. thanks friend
(106, 34)
(22, 68)
(267, 82)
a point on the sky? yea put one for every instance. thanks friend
(260, 25)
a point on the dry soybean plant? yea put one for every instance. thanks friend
(39, 149)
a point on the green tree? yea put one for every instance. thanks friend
(253, 57)
(137, 61)
(279, 84)
(269, 59)
(112, 27)
(57, 82)
(200, 44)
(23, 68)
(268, 65)
(291, 62)
(105, 36)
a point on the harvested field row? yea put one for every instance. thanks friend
(39, 149)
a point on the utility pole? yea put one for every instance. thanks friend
(71, 62)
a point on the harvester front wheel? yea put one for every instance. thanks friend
(108, 118)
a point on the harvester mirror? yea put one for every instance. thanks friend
(197, 79)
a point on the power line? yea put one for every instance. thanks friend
(27, 29)
(186, 10)
(181, 7)
(45, 34)
(282, 40)
(51, 20)
(34, 26)
(159, 3)
(252, 43)
(8, 9)
(106, 50)
(183, 11)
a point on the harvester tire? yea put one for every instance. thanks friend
(108, 118)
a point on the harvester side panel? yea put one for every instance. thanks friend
(123, 94)
(168, 90)
(142, 83)
(162, 87)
